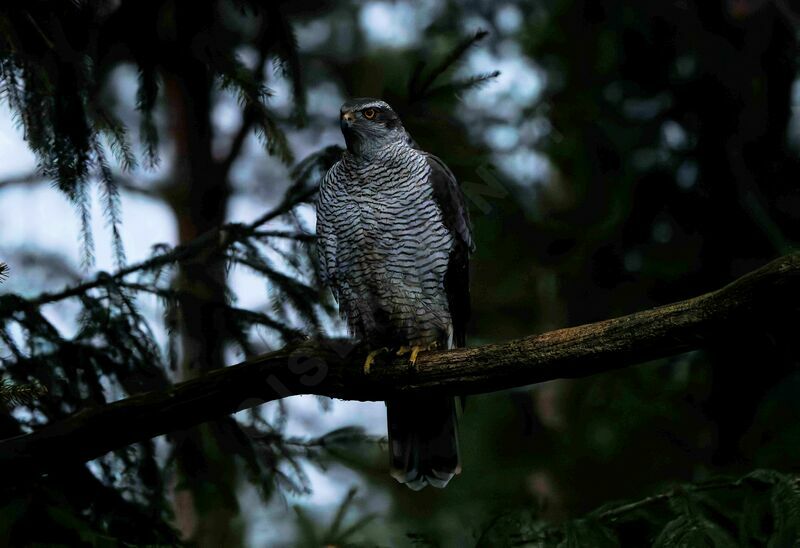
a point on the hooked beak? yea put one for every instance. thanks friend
(347, 119)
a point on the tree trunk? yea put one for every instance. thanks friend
(205, 494)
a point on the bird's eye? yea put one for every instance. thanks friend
(369, 114)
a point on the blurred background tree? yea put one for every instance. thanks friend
(625, 156)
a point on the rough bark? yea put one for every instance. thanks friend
(333, 368)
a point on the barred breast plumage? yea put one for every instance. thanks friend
(387, 247)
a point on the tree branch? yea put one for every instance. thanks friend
(26, 179)
(121, 180)
(333, 368)
(248, 120)
(208, 242)
(249, 116)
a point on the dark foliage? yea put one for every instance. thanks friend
(759, 509)
(55, 62)
(670, 173)
(53, 89)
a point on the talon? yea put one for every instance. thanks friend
(415, 350)
(371, 359)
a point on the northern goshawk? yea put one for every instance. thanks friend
(394, 240)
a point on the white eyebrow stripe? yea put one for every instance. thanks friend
(377, 104)
(374, 104)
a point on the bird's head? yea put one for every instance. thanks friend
(369, 125)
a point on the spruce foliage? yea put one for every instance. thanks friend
(758, 509)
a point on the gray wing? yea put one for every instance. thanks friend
(455, 214)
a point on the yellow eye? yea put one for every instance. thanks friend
(369, 114)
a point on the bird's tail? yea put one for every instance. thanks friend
(423, 440)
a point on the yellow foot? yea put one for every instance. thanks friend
(416, 349)
(371, 359)
(403, 350)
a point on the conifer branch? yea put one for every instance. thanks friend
(214, 240)
(19, 394)
(28, 178)
(249, 118)
(122, 181)
(420, 91)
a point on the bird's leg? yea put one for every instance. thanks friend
(371, 358)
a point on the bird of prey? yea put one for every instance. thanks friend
(393, 241)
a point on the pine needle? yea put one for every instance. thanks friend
(456, 54)
(20, 394)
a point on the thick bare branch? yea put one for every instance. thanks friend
(333, 368)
